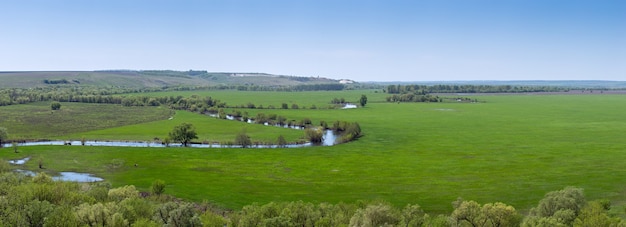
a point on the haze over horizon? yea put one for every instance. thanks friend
(367, 40)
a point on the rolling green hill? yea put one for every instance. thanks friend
(150, 78)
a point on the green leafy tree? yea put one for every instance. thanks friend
(243, 139)
(412, 215)
(595, 213)
(5, 166)
(183, 133)
(376, 215)
(94, 215)
(121, 193)
(55, 106)
(314, 134)
(158, 187)
(14, 145)
(467, 212)
(135, 209)
(210, 219)
(61, 217)
(363, 100)
(500, 214)
(4, 135)
(557, 208)
(491, 214)
(36, 212)
(177, 214)
(281, 141)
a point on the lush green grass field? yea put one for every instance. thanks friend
(512, 149)
(38, 121)
(208, 129)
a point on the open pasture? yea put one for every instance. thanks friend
(209, 129)
(511, 149)
(38, 121)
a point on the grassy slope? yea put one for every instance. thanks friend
(512, 149)
(140, 80)
(38, 121)
(124, 79)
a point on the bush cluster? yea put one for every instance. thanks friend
(41, 201)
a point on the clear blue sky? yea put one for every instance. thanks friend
(383, 40)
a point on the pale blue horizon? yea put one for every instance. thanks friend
(360, 40)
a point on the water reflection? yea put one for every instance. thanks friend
(66, 176)
(19, 161)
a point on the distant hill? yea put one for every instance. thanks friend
(151, 78)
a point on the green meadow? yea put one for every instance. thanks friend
(507, 148)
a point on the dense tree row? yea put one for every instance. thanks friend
(427, 89)
(116, 95)
(85, 94)
(338, 101)
(411, 97)
(41, 201)
(318, 87)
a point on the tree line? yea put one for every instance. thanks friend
(427, 89)
(116, 95)
(40, 201)
(424, 93)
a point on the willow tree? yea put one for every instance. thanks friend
(183, 133)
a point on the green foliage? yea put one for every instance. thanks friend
(469, 88)
(376, 215)
(5, 167)
(183, 133)
(55, 106)
(210, 219)
(177, 214)
(167, 141)
(412, 216)
(363, 100)
(467, 212)
(470, 213)
(42, 178)
(281, 141)
(314, 134)
(595, 214)
(61, 217)
(37, 211)
(560, 207)
(570, 198)
(158, 187)
(121, 193)
(25, 206)
(98, 214)
(14, 145)
(4, 135)
(242, 139)
(135, 209)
